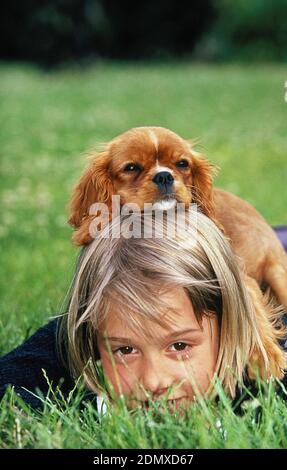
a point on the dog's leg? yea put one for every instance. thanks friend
(84, 234)
(90, 228)
(274, 361)
(275, 275)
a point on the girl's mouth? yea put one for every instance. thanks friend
(170, 404)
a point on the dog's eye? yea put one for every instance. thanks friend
(132, 167)
(182, 164)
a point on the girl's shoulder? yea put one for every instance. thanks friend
(28, 366)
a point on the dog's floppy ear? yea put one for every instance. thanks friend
(202, 183)
(95, 185)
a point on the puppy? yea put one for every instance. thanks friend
(155, 165)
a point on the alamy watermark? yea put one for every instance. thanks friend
(130, 221)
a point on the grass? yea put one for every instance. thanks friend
(205, 425)
(48, 121)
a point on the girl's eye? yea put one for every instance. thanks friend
(125, 351)
(180, 346)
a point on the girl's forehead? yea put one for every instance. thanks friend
(178, 316)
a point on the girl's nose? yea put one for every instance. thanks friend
(155, 378)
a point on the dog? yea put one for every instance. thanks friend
(155, 165)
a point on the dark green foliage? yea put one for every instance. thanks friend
(247, 30)
(49, 32)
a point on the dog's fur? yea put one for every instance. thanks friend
(156, 149)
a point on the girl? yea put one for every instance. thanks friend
(164, 315)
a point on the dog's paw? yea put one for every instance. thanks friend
(275, 367)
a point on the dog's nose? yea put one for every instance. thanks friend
(164, 180)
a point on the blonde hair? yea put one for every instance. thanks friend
(130, 272)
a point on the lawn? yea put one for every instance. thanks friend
(49, 120)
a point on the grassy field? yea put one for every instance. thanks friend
(48, 121)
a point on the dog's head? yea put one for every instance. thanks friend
(143, 165)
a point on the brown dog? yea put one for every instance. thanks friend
(155, 165)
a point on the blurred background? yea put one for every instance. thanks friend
(52, 32)
(76, 73)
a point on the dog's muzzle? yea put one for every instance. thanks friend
(164, 181)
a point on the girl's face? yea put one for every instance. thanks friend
(168, 359)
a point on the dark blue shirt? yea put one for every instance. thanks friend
(23, 366)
